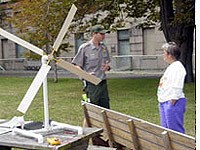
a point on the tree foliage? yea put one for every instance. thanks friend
(3, 14)
(39, 22)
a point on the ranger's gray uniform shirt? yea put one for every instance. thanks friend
(90, 59)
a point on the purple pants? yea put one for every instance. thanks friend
(172, 116)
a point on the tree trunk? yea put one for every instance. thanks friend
(187, 52)
(55, 69)
(52, 62)
(182, 34)
(184, 39)
(55, 72)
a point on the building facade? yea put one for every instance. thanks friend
(130, 48)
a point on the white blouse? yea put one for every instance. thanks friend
(172, 83)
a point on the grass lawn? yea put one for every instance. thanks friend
(135, 97)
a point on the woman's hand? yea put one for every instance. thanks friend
(173, 101)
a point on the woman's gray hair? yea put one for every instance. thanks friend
(172, 49)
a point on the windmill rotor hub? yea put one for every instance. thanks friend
(44, 59)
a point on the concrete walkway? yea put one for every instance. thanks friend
(66, 74)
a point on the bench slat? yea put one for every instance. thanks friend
(134, 133)
(107, 126)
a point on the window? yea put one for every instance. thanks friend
(123, 42)
(19, 51)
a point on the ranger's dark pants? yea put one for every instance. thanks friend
(98, 94)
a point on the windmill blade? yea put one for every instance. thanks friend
(81, 73)
(66, 65)
(21, 42)
(65, 27)
(33, 89)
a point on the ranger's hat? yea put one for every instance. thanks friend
(99, 29)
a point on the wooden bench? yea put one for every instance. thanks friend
(135, 133)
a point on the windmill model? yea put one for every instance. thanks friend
(41, 77)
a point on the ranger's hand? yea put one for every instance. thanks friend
(105, 67)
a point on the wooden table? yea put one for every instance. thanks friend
(68, 140)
